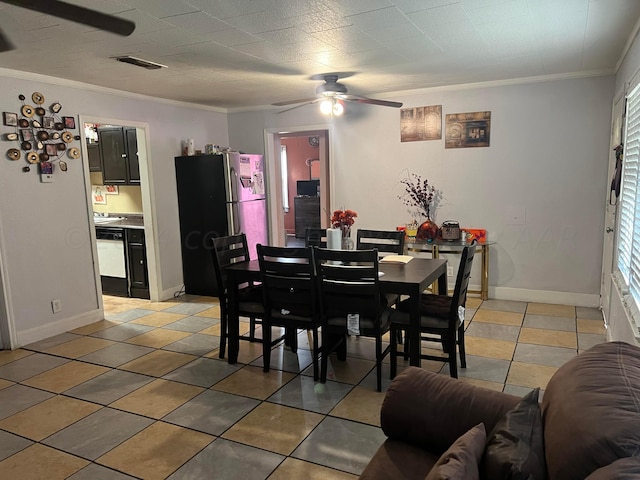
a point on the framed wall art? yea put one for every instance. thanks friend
(69, 122)
(421, 123)
(10, 119)
(464, 130)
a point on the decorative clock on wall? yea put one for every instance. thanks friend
(40, 136)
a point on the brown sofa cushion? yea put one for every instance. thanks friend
(591, 411)
(460, 461)
(398, 460)
(623, 469)
(515, 447)
(432, 411)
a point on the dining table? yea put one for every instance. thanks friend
(409, 279)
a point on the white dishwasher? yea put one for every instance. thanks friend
(110, 243)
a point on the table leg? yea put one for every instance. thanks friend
(435, 288)
(233, 322)
(414, 331)
(484, 281)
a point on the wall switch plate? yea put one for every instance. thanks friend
(56, 305)
(449, 271)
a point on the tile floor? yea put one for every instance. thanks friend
(142, 394)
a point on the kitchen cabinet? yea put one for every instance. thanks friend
(119, 155)
(137, 264)
(93, 153)
(307, 214)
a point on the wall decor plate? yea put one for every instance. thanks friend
(43, 157)
(11, 137)
(23, 123)
(58, 126)
(55, 136)
(67, 137)
(36, 124)
(26, 168)
(28, 111)
(25, 146)
(61, 147)
(21, 97)
(63, 165)
(73, 152)
(32, 157)
(39, 146)
(40, 111)
(37, 98)
(42, 135)
(13, 154)
(56, 107)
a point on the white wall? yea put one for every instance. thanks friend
(44, 228)
(548, 158)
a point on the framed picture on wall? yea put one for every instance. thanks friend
(464, 130)
(69, 122)
(421, 123)
(10, 119)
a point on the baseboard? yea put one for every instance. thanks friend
(36, 334)
(545, 296)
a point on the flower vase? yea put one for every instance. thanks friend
(347, 243)
(428, 230)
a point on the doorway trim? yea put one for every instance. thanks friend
(148, 206)
(272, 163)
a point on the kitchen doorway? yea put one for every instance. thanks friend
(299, 182)
(139, 201)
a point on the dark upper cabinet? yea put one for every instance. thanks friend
(93, 152)
(119, 152)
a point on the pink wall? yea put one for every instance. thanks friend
(298, 151)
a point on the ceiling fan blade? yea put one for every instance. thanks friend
(291, 102)
(5, 43)
(371, 101)
(298, 106)
(78, 14)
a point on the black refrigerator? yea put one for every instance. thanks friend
(218, 195)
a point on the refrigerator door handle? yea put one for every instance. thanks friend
(233, 184)
(234, 218)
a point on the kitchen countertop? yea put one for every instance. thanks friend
(125, 222)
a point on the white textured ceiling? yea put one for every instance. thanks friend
(242, 53)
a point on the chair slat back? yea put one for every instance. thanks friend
(462, 280)
(348, 282)
(288, 280)
(226, 251)
(315, 237)
(388, 241)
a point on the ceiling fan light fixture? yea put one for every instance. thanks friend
(326, 106)
(139, 62)
(338, 107)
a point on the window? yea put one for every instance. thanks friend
(629, 220)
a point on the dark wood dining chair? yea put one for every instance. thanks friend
(226, 251)
(315, 237)
(289, 297)
(439, 319)
(349, 293)
(385, 241)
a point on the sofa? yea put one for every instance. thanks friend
(587, 425)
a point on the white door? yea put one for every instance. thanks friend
(610, 223)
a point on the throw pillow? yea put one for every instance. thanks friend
(460, 461)
(515, 446)
(622, 469)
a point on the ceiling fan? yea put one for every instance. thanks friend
(73, 13)
(330, 95)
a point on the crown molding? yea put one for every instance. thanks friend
(63, 82)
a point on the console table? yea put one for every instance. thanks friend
(439, 246)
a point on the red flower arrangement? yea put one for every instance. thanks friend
(343, 219)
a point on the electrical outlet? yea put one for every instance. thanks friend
(449, 271)
(56, 305)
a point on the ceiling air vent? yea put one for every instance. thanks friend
(139, 62)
